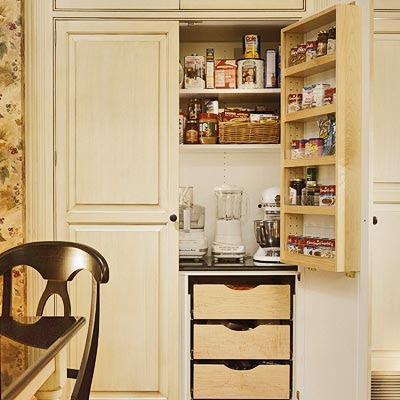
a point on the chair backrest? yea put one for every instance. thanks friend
(59, 262)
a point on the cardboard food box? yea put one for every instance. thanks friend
(225, 74)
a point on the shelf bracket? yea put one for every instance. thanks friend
(351, 274)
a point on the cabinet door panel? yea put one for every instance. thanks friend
(292, 5)
(116, 183)
(116, 5)
(386, 5)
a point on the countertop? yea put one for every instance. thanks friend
(209, 265)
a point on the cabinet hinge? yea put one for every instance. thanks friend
(55, 158)
(298, 395)
(299, 276)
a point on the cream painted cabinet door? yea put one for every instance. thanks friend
(116, 185)
(273, 5)
(115, 5)
(385, 319)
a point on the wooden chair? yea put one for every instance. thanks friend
(58, 263)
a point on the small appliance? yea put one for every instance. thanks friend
(192, 239)
(228, 244)
(267, 230)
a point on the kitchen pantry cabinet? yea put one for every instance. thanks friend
(273, 5)
(116, 187)
(344, 166)
(115, 5)
(386, 5)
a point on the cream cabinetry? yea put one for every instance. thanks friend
(386, 5)
(273, 5)
(115, 5)
(116, 84)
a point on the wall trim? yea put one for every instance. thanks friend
(38, 132)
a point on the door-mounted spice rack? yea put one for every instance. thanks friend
(341, 68)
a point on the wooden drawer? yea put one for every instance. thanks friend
(270, 342)
(220, 382)
(213, 301)
(275, 5)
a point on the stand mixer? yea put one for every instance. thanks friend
(192, 239)
(267, 230)
(228, 244)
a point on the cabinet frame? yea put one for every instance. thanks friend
(347, 161)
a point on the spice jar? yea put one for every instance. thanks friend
(194, 109)
(192, 132)
(322, 43)
(331, 46)
(296, 186)
(208, 128)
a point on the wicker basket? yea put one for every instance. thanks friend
(249, 132)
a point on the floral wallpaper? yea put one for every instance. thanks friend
(12, 165)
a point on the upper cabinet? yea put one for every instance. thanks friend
(321, 141)
(266, 5)
(387, 5)
(116, 5)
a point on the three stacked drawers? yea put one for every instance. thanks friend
(241, 364)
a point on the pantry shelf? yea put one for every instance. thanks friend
(310, 114)
(232, 148)
(321, 263)
(310, 162)
(227, 94)
(315, 66)
(309, 210)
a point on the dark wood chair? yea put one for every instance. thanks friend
(58, 263)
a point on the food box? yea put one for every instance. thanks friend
(225, 74)
(194, 72)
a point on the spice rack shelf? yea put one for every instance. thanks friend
(310, 162)
(309, 210)
(310, 114)
(344, 68)
(320, 263)
(232, 148)
(316, 66)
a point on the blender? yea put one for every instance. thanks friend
(192, 239)
(267, 230)
(228, 244)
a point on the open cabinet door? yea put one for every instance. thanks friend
(116, 186)
(321, 225)
(332, 300)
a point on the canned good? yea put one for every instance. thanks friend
(250, 73)
(208, 128)
(251, 46)
(296, 186)
(192, 132)
(311, 173)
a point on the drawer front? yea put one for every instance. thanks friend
(115, 5)
(387, 5)
(217, 342)
(221, 382)
(273, 5)
(212, 301)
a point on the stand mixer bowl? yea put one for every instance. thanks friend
(267, 232)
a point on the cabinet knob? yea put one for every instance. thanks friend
(374, 220)
(173, 218)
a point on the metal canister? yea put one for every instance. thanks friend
(250, 73)
(251, 46)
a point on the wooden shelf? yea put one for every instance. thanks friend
(230, 94)
(315, 21)
(320, 64)
(231, 148)
(310, 113)
(309, 210)
(310, 162)
(322, 263)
